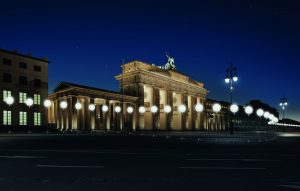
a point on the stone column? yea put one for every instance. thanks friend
(170, 115)
(193, 115)
(185, 114)
(86, 114)
(107, 116)
(93, 115)
(140, 102)
(155, 101)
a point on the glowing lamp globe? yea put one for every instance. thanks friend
(63, 105)
(9, 100)
(92, 107)
(47, 103)
(216, 107)
(182, 108)
(29, 102)
(199, 107)
(117, 109)
(234, 108)
(235, 78)
(248, 110)
(266, 115)
(129, 109)
(271, 117)
(104, 108)
(154, 109)
(227, 80)
(142, 109)
(167, 109)
(260, 112)
(78, 106)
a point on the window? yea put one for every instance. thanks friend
(6, 61)
(22, 97)
(37, 119)
(37, 83)
(23, 80)
(6, 94)
(37, 99)
(22, 118)
(7, 77)
(37, 68)
(22, 65)
(6, 117)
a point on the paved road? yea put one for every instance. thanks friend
(110, 162)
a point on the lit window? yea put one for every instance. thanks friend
(23, 118)
(6, 94)
(37, 99)
(6, 117)
(22, 97)
(37, 119)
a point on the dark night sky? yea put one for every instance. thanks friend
(87, 40)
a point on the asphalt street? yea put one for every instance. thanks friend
(148, 162)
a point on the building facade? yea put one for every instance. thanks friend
(22, 76)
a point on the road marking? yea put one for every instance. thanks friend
(21, 157)
(245, 160)
(66, 166)
(220, 168)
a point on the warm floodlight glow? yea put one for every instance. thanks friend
(117, 109)
(167, 109)
(216, 107)
(142, 109)
(227, 80)
(235, 78)
(249, 110)
(182, 108)
(29, 102)
(104, 108)
(266, 115)
(47, 103)
(9, 100)
(92, 107)
(154, 109)
(234, 108)
(199, 107)
(129, 109)
(78, 106)
(63, 105)
(260, 112)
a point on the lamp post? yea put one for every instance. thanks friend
(104, 108)
(249, 111)
(216, 107)
(118, 110)
(78, 107)
(233, 108)
(29, 103)
(260, 113)
(92, 108)
(63, 105)
(47, 105)
(153, 110)
(130, 111)
(9, 101)
(283, 104)
(231, 77)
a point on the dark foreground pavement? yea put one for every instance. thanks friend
(134, 162)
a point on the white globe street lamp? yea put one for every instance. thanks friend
(266, 115)
(234, 108)
(142, 109)
(199, 107)
(249, 110)
(167, 109)
(259, 112)
(117, 109)
(181, 108)
(78, 106)
(92, 107)
(104, 108)
(29, 102)
(47, 103)
(129, 109)
(154, 109)
(216, 107)
(9, 100)
(63, 105)
(271, 117)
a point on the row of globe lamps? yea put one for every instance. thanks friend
(234, 108)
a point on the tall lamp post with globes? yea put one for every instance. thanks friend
(47, 105)
(283, 104)
(230, 79)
